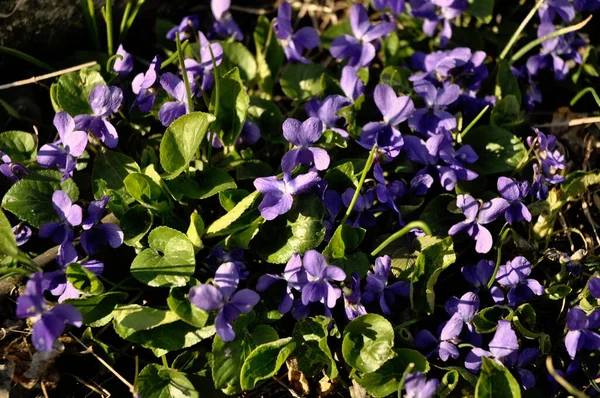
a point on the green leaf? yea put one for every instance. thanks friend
(71, 91)
(384, 381)
(345, 238)
(558, 292)
(507, 112)
(146, 191)
(155, 381)
(396, 51)
(269, 54)
(97, 310)
(268, 117)
(301, 81)
(228, 357)
(313, 351)
(368, 342)
(214, 180)
(30, 199)
(428, 267)
(136, 223)
(8, 242)
(397, 78)
(265, 361)
(219, 227)
(437, 216)
(499, 150)
(235, 54)
(496, 381)
(110, 169)
(506, 83)
(481, 9)
(189, 313)
(19, 146)
(181, 140)
(448, 383)
(233, 102)
(169, 262)
(159, 330)
(83, 279)
(195, 231)
(486, 320)
(524, 319)
(297, 231)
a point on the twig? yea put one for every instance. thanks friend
(292, 392)
(255, 11)
(562, 381)
(515, 36)
(17, 6)
(586, 211)
(44, 391)
(563, 223)
(36, 79)
(572, 122)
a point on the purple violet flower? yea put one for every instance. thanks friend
(587, 5)
(294, 44)
(96, 234)
(362, 207)
(580, 337)
(377, 286)
(551, 8)
(439, 65)
(514, 192)
(143, 86)
(395, 110)
(417, 386)
(358, 49)
(104, 100)
(185, 28)
(397, 7)
(295, 277)
(173, 110)
(279, 197)
(23, 234)
(352, 298)
(435, 11)
(123, 66)
(70, 216)
(224, 23)
(203, 70)
(327, 110)
(479, 274)
(430, 120)
(518, 360)
(477, 217)
(218, 257)
(594, 287)
(514, 275)
(48, 324)
(302, 135)
(503, 344)
(352, 86)
(222, 297)
(320, 275)
(10, 169)
(445, 348)
(64, 152)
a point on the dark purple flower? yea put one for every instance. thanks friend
(518, 361)
(250, 135)
(394, 110)
(587, 5)
(143, 86)
(594, 287)
(352, 298)
(70, 216)
(123, 66)
(417, 386)
(503, 344)
(218, 257)
(358, 49)
(352, 86)
(327, 110)
(220, 297)
(202, 70)
(435, 11)
(295, 277)
(479, 274)
(514, 275)
(302, 135)
(445, 348)
(22, 234)
(320, 275)
(439, 65)
(579, 336)
(186, 27)
(56, 281)
(387, 194)
(104, 100)
(224, 23)
(333, 206)
(377, 285)
(96, 234)
(514, 192)
(279, 193)
(294, 44)
(173, 110)
(397, 7)
(476, 218)
(362, 208)
(48, 324)
(430, 120)
(551, 8)
(10, 169)
(64, 152)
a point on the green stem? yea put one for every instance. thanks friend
(529, 46)
(90, 17)
(111, 61)
(582, 93)
(408, 369)
(26, 57)
(562, 381)
(503, 236)
(164, 361)
(108, 15)
(185, 76)
(474, 121)
(515, 36)
(123, 25)
(411, 225)
(132, 17)
(174, 56)
(368, 165)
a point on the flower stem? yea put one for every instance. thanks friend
(26, 57)
(164, 361)
(515, 36)
(185, 76)
(503, 236)
(561, 380)
(582, 93)
(401, 233)
(108, 17)
(527, 47)
(474, 121)
(174, 56)
(408, 369)
(368, 165)
(90, 18)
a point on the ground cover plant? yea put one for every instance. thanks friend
(332, 198)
